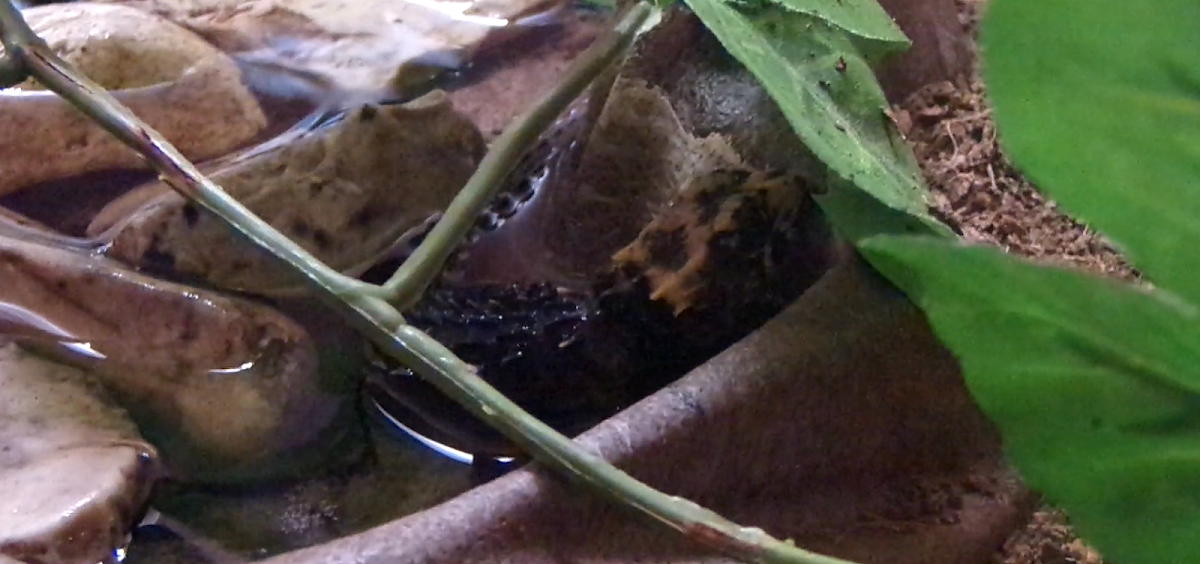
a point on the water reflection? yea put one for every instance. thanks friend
(36, 331)
(446, 450)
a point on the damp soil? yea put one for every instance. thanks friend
(987, 200)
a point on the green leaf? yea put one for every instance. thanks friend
(872, 29)
(1098, 101)
(857, 215)
(1094, 384)
(828, 93)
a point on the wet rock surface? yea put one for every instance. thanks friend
(74, 472)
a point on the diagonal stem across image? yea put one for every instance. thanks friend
(376, 311)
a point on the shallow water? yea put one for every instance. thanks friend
(400, 477)
(403, 477)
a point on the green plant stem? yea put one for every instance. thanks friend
(409, 282)
(548, 446)
(15, 34)
(379, 321)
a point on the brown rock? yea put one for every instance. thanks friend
(178, 84)
(74, 473)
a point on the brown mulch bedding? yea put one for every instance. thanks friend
(984, 197)
(1046, 539)
(981, 194)
(977, 191)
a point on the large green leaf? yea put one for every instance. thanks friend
(1098, 101)
(828, 93)
(1095, 386)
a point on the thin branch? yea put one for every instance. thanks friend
(363, 305)
(409, 282)
(14, 34)
(429, 357)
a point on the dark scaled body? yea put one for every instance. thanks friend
(727, 254)
(527, 341)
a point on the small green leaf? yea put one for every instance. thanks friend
(871, 28)
(1098, 101)
(1095, 386)
(829, 94)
